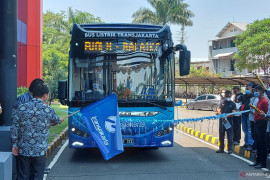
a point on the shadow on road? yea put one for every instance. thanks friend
(129, 155)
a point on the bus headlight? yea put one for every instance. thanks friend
(164, 131)
(77, 144)
(138, 113)
(80, 133)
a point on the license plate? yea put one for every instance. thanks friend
(128, 141)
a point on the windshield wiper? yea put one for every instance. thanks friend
(157, 105)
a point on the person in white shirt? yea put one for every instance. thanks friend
(253, 101)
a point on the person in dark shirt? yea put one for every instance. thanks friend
(245, 101)
(260, 128)
(226, 106)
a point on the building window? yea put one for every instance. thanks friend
(231, 30)
(232, 65)
(235, 30)
(232, 43)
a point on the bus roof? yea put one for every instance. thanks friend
(120, 27)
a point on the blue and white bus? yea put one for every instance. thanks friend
(134, 61)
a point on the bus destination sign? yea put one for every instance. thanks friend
(108, 46)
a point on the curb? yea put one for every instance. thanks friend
(183, 106)
(56, 141)
(214, 140)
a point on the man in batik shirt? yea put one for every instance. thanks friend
(29, 134)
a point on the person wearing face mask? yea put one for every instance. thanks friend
(253, 101)
(226, 106)
(237, 118)
(267, 96)
(260, 119)
(266, 82)
(245, 101)
(222, 95)
(95, 90)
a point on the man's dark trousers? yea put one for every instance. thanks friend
(260, 134)
(31, 168)
(229, 131)
(237, 128)
(252, 127)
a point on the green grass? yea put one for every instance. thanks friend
(61, 112)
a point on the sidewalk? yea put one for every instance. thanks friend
(207, 126)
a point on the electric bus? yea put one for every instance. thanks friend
(137, 63)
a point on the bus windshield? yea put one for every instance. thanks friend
(134, 77)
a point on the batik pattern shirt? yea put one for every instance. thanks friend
(30, 127)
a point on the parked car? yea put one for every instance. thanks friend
(204, 102)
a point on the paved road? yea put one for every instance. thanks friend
(188, 159)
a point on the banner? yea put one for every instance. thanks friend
(103, 121)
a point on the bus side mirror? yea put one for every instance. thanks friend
(62, 91)
(184, 59)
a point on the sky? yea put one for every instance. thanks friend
(210, 16)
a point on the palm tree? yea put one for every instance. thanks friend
(165, 11)
(78, 17)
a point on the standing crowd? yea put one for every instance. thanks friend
(254, 120)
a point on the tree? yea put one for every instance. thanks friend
(254, 46)
(78, 17)
(165, 11)
(200, 72)
(57, 26)
(52, 59)
(56, 38)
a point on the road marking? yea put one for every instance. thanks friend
(239, 157)
(56, 157)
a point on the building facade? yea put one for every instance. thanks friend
(29, 41)
(222, 49)
(200, 62)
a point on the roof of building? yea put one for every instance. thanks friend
(220, 38)
(241, 26)
(217, 81)
(223, 55)
(197, 60)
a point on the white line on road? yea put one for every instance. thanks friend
(239, 157)
(56, 157)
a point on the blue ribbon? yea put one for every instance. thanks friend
(209, 117)
(186, 119)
